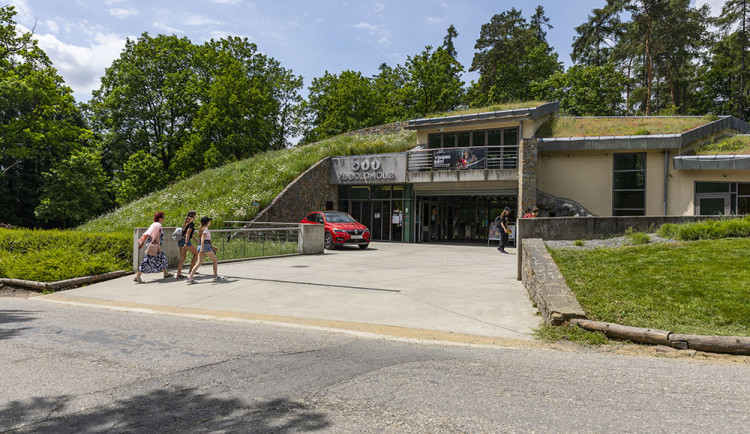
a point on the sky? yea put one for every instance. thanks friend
(310, 37)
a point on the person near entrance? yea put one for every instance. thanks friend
(501, 222)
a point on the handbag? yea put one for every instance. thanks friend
(153, 249)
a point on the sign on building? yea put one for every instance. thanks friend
(369, 169)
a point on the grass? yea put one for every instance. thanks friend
(491, 108)
(726, 145)
(699, 287)
(548, 333)
(227, 193)
(636, 238)
(565, 126)
(52, 255)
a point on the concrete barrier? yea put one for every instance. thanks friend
(311, 239)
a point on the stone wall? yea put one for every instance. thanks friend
(308, 192)
(546, 286)
(527, 174)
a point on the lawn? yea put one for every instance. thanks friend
(696, 287)
(565, 126)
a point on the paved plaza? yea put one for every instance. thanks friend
(462, 293)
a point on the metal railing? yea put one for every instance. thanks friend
(255, 242)
(463, 158)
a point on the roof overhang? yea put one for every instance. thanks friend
(478, 118)
(712, 162)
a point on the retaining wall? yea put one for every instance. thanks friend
(546, 286)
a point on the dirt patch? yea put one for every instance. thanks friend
(14, 291)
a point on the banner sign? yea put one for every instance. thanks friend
(459, 158)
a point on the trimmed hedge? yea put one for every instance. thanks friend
(52, 255)
(707, 229)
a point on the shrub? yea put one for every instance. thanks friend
(707, 229)
(635, 238)
(51, 255)
(578, 243)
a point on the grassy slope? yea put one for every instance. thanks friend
(698, 287)
(579, 127)
(226, 193)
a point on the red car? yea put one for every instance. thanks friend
(341, 229)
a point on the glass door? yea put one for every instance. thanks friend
(712, 204)
(376, 229)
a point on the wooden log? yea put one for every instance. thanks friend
(617, 331)
(714, 344)
(67, 283)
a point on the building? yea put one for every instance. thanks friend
(466, 168)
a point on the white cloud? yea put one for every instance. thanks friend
(433, 20)
(23, 11)
(161, 25)
(52, 25)
(715, 5)
(379, 7)
(123, 12)
(82, 67)
(227, 2)
(377, 32)
(198, 20)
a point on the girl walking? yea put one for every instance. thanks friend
(154, 260)
(205, 249)
(186, 243)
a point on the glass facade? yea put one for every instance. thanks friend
(629, 184)
(722, 198)
(386, 209)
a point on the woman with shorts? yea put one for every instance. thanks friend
(204, 249)
(186, 243)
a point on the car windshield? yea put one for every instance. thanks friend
(338, 217)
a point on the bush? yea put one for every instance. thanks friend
(707, 229)
(52, 255)
(635, 238)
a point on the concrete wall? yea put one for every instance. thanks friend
(309, 192)
(546, 286)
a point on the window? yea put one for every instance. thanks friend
(629, 184)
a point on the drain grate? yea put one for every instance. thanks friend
(300, 266)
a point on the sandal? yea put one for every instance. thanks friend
(180, 276)
(137, 280)
(168, 275)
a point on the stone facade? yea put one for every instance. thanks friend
(546, 286)
(527, 175)
(308, 192)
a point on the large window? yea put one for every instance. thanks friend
(712, 198)
(497, 137)
(629, 184)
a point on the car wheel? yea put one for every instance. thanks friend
(328, 241)
(363, 246)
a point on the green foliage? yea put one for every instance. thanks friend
(707, 229)
(586, 90)
(227, 193)
(39, 122)
(578, 243)
(74, 190)
(694, 288)
(636, 238)
(142, 174)
(568, 332)
(512, 57)
(193, 106)
(51, 255)
(642, 132)
(726, 145)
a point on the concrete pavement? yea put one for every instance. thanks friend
(464, 293)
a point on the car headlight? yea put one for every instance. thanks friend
(339, 231)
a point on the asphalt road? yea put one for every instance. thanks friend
(70, 368)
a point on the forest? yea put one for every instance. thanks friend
(168, 108)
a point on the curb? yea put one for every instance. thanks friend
(68, 283)
(714, 344)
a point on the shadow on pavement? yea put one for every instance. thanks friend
(174, 409)
(13, 316)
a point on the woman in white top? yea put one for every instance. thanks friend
(205, 248)
(154, 260)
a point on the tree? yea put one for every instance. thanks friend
(597, 36)
(511, 56)
(39, 121)
(734, 16)
(340, 103)
(142, 174)
(74, 190)
(587, 90)
(434, 83)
